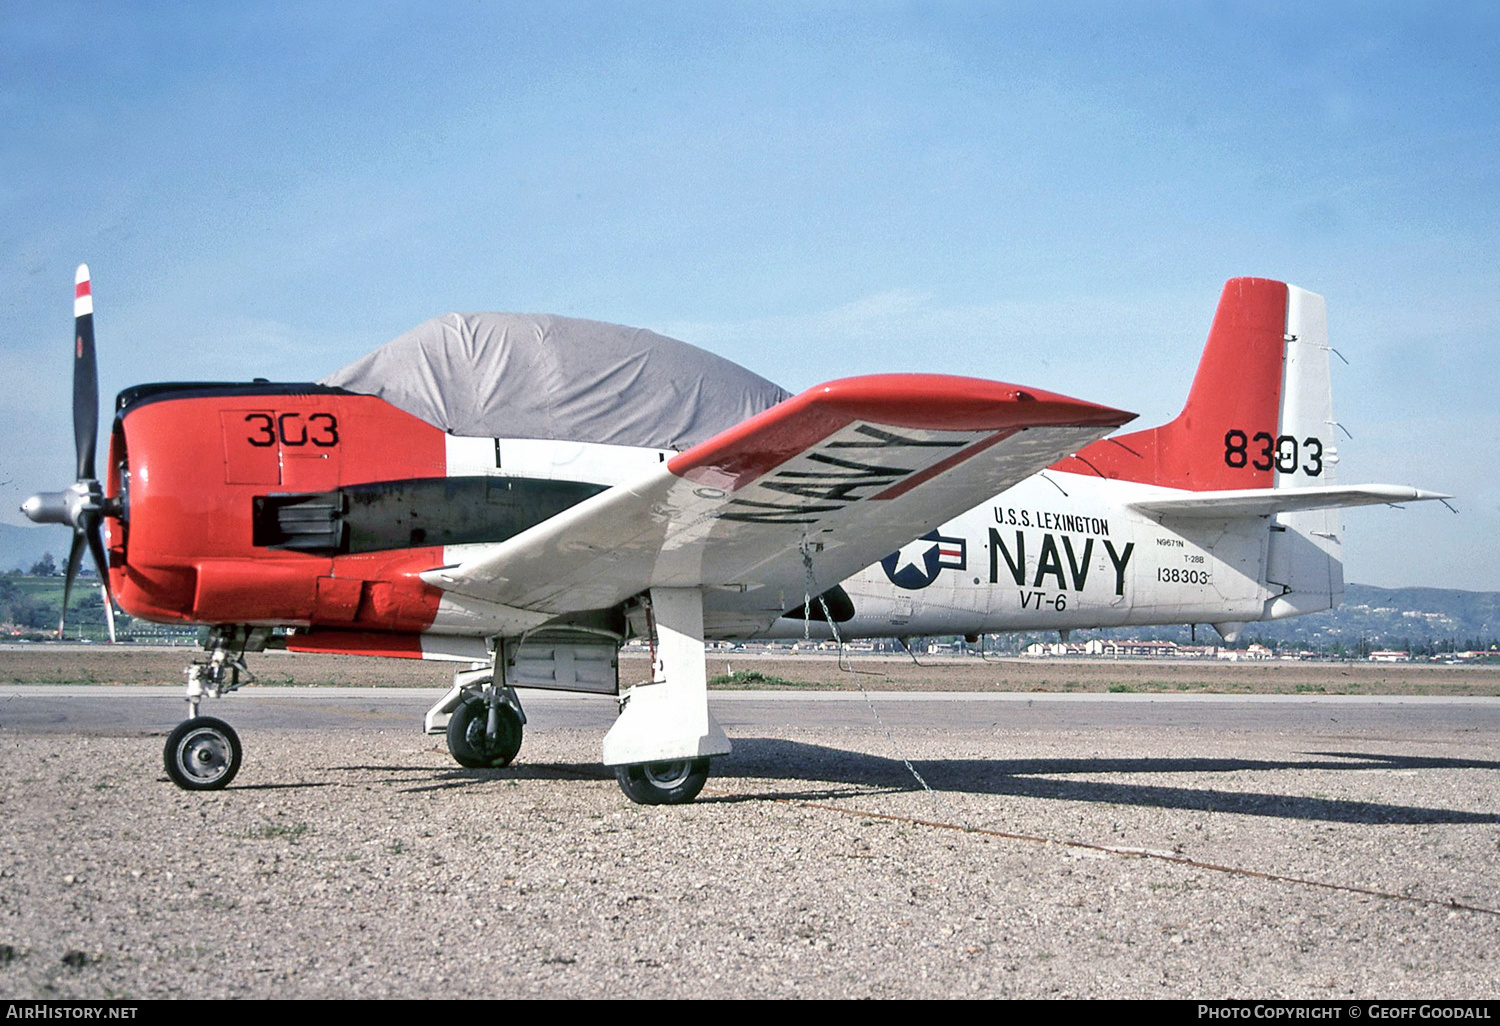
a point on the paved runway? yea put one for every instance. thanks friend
(93, 708)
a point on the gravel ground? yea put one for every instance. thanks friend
(363, 863)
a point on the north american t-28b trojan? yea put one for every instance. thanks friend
(522, 494)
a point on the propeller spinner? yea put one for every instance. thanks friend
(81, 505)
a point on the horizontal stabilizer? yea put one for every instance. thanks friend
(1259, 502)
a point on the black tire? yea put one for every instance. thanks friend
(468, 735)
(202, 754)
(663, 783)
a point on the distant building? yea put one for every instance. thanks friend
(1254, 651)
(1120, 649)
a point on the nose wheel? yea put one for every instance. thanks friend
(202, 754)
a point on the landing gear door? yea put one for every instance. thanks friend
(566, 665)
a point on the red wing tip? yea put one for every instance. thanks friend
(927, 402)
(952, 400)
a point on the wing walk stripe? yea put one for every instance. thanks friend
(902, 487)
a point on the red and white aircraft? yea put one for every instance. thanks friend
(523, 494)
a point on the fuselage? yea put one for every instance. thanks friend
(311, 507)
(1063, 551)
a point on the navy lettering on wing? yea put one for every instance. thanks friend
(858, 463)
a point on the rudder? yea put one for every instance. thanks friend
(1305, 556)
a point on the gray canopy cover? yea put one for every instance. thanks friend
(497, 375)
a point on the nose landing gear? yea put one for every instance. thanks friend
(204, 753)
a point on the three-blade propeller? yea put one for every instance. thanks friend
(81, 505)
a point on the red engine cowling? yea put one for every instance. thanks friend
(219, 489)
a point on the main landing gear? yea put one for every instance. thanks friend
(660, 746)
(204, 753)
(484, 718)
(663, 783)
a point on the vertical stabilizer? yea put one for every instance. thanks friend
(1259, 416)
(1231, 412)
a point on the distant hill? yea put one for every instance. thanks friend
(1369, 617)
(1390, 617)
(1393, 618)
(1443, 611)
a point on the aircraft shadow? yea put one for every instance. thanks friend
(425, 778)
(835, 773)
(777, 759)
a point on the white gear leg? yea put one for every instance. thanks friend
(669, 719)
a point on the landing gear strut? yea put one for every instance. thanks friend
(659, 747)
(204, 753)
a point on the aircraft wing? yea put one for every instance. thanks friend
(837, 477)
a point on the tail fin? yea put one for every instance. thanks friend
(1254, 440)
(1259, 416)
(1260, 409)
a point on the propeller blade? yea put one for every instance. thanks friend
(75, 555)
(85, 375)
(109, 612)
(93, 527)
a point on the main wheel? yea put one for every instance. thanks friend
(202, 754)
(468, 735)
(663, 783)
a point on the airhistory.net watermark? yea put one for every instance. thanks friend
(46, 1010)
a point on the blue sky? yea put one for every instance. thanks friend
(1045, 193)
